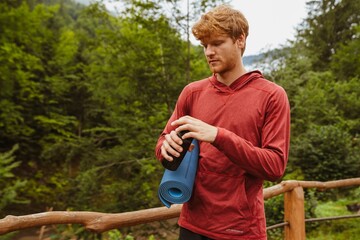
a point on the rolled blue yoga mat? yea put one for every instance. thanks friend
(176, 186)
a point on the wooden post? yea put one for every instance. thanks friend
(294, 214)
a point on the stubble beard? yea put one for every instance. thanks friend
(219, 69)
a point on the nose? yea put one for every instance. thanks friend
(209, 50)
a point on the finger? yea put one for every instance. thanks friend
(165, 154)
(170, 150)
(187, 127)
(174, 140)
(175, 137)
(170, 146)
(183, 120)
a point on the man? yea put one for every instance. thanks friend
(242, 122)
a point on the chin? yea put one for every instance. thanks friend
(215, 70)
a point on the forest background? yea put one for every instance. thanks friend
(85, 93)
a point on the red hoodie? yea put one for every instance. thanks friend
(253, 120)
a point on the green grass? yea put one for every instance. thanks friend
(344, 229)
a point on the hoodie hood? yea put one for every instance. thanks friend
(237, 84)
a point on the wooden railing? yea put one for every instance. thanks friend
(294, 213)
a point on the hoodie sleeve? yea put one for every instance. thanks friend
(269, 160)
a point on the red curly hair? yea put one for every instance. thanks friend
(222, 20)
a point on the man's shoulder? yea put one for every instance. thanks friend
(266, 85)
(198, 85)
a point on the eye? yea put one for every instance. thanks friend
(217, 43)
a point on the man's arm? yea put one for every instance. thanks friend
(269, 160)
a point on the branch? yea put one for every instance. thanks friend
(289, 185)
(92, 221)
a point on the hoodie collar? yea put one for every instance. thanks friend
(237, 84)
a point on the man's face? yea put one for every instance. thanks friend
(222, 53)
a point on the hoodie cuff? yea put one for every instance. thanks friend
(220, 137)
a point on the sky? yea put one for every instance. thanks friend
(272, 22)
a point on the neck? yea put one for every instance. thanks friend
(229, 77)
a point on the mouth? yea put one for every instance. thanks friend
(213, 61)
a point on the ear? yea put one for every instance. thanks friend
(241, 42)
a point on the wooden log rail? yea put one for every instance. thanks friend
(102, 222)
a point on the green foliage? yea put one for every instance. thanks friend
(274, 212)
(320, 73)
(325, 152)
(85, 94)
(86, 97)
(345, 62)
(116, 234)
(329, 25)
(9, 183)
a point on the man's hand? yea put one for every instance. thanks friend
(197, 129)
(171, 145)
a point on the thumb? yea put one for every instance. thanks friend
(192, 146)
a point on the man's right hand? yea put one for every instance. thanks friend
(171, 146)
